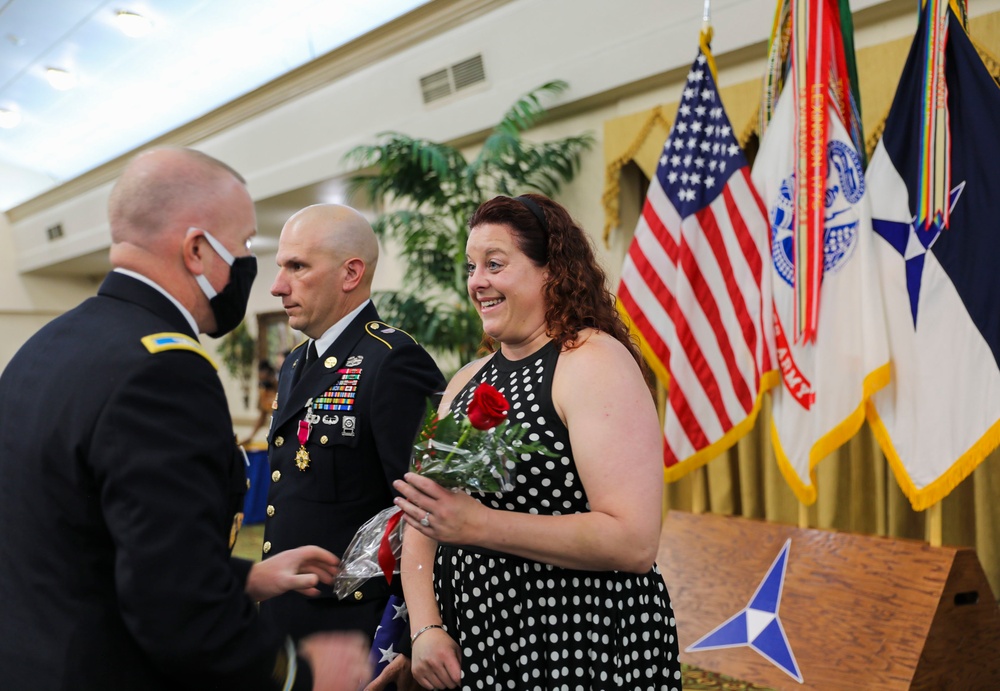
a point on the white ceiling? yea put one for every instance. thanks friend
(199, 55)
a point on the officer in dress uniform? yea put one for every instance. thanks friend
(345, 417)
(121, 484)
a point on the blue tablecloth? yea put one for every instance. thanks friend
(259, 475)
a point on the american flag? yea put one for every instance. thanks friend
(692, 280)
(391, 631)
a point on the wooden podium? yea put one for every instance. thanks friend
(858, 612)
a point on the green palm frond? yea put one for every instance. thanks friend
(433, 321)
(428, 242)
(430, 191)
(407, 169)
(528, 109)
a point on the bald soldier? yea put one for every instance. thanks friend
(345, 417)
(121, 486)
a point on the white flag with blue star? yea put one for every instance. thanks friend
(940, 416)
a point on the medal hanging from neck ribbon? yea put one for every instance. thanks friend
(302, 455)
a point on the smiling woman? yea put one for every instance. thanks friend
(564, 558)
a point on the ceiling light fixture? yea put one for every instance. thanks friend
(9, 118)
(132, 24)
(60, 79)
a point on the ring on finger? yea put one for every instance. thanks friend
(426, 520)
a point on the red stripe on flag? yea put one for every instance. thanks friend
(751, 254)
(682, 329)
(699, 365)
(641, 322)
(660, 231)
(707, 301)
(669, 457)
(750, 251)
(689, 421)
(755, 260)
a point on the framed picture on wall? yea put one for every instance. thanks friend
(275, 337)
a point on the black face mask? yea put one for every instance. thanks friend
(230, 305)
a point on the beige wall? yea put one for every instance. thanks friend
(28, 302)
(620, 58)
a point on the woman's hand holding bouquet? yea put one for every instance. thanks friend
(474, 453)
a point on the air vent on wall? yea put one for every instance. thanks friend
(461, 75)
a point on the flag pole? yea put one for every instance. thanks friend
(699, 480)
(935, 525)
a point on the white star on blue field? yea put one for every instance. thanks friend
(757, 625)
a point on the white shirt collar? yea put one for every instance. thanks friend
(153, 284)
(333, 333)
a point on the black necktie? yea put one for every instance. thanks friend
(311, 357)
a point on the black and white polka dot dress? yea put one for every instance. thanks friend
(521, 624)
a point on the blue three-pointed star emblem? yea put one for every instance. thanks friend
(757, 625)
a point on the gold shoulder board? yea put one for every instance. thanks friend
(157, 343)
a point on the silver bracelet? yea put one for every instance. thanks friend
(426, 628)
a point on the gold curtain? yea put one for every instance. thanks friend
(856, 490)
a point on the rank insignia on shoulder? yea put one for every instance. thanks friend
(158, 343)
(374, 328)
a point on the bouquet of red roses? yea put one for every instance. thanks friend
(476, 453)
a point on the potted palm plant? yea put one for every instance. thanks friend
(427, 191)
(238, 350)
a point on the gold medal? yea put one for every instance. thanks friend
(302, 455)
(302, 458)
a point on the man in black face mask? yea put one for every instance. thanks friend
(230, 305)
(122, 485)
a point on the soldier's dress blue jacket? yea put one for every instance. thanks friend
(120, 489)
(366, 396)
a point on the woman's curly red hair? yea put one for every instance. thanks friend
(576, 292)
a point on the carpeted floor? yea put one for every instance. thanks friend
(251, 537)
(248, 542)
(701, 679)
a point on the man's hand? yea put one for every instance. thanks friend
(339, 660)
(398, 672)
(295, 569)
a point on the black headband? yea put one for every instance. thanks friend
(537, 211)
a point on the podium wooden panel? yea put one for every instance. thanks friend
(860, 612)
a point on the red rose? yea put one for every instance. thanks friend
(488, 408)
